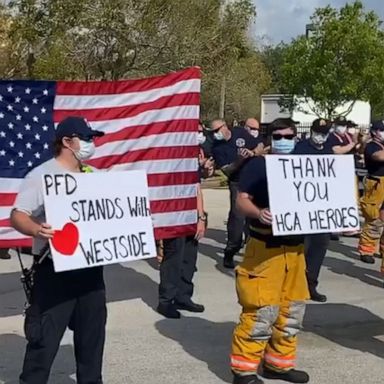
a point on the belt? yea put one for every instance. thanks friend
(275, 241)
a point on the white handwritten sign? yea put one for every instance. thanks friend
(98, 218)
(312, 194)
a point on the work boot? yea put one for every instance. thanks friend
(369, 259)
(292, 376)
(316, 296)
(228, 261)
(169, 311)
(190, 307)
(250, 379)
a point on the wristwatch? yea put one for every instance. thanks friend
(203, 217)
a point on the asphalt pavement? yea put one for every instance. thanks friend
(342, 341)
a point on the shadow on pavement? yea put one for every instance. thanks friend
(347, 325)
(215, 252)
(339, 246)
(126, 284)
(204, 340)
(352, 269)
(12, 348)
(121, 283)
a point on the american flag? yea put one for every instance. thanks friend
(149, 124)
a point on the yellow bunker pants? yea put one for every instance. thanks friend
(272, 289)
(371, 201)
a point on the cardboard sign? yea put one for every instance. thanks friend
(312, 194)
(98, 218)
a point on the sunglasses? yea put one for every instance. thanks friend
(278, 136)
(218, 129)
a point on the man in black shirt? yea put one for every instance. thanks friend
(231, 149)
(373, 197)
(271, 283)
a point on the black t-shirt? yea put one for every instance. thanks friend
(374, 168)
(253, 180)
(306, 147)
(335, 140)
(226, 152)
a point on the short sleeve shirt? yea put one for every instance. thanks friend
(30, 198)
(335, 140)
(374, 168)
(226, 152)
(305, 147)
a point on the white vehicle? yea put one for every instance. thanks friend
(360, 112)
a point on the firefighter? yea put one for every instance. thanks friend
(230, 151)
(59, 300)
(373, 196)
(271, 282)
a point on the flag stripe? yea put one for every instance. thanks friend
(150, 154)
(7, 199)
(159, 166)
(149, 117)
(175, 231)
(138, 131)
(126, 106)
(167, 179)
(75, 88)
(24, 242)
(154, 141)
(173, 205)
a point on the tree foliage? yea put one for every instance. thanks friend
(119, 39)
(341, 61)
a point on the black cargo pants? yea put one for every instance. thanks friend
(177, 269)
(75, 298)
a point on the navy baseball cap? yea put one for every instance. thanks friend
(377, 125)
(342, 121)
(74, 126)
(321, 126)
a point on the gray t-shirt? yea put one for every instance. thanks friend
(30, 198)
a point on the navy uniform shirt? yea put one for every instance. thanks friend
(253, 181)
(335, 140)
(226, 152)
(374, 168)
(305, 147)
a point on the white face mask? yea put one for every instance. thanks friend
(380, 136)
(319, 138)
(201, 138)
(218, 136)
(254, 132)
(86, 151)
(340, 129)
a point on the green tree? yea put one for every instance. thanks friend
(119, 39)
(341, 61)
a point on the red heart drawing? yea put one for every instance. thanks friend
(66, 240)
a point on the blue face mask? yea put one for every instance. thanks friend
(283, 146)
(218, 136)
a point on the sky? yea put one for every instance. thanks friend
(282, 20)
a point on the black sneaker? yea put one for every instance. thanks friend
(316, 296)
(367, 259)
(190, 307)
(169, 311)
(292, 376)
(377, 256)
(250, 379)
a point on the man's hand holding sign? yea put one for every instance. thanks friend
(97, 219)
